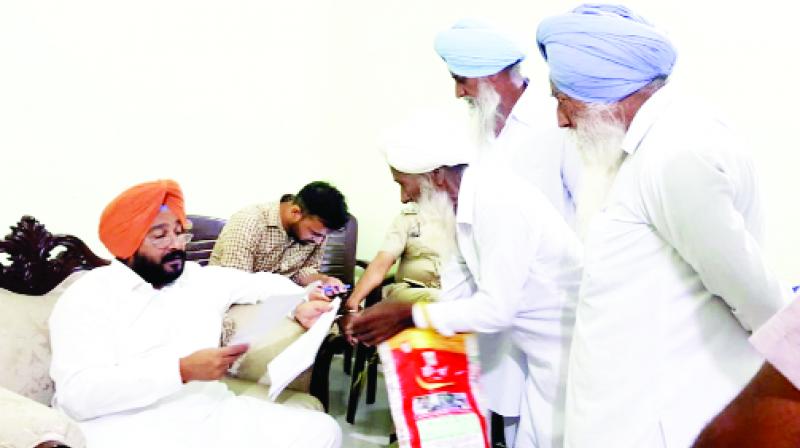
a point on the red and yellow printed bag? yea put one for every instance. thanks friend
(432, 383)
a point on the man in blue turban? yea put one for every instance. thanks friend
(485, 65)
(484, 62)
(674, 275)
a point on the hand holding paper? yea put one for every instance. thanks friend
(308, 312)
(300, 355)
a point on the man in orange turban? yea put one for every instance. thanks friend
(136, 356)
(136, 225)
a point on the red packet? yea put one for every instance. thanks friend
(432, 383)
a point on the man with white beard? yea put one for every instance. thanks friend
(422, 237)
(521, 273)
(674, 276)
(509, 119)
(511, 124)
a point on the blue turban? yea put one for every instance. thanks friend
(474, 49)
(603, 53)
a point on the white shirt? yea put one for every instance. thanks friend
(116, 346)
(524, 261)
(674, 279)
(539, 152)
(536, 150)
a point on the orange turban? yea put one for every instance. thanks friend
(126, 220)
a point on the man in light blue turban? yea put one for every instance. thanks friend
(674, 275)
(603, 53)
(484, 62)
(511, 126)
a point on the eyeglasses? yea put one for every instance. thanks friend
(163, 241)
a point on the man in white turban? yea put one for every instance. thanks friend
(423, 236)
(520, 273)
(511, 122)
(675, 278)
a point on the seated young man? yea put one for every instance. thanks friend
(285, 237)
(136, 356)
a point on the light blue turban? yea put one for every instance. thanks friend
(474, 49)
(603, 53)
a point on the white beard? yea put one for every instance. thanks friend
(436, 208)
(598, 137)
(485, 112)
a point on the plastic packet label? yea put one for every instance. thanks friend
(432, 383)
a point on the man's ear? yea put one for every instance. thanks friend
(295, 212)
(438, 177)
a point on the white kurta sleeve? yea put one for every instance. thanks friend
(237, 286)
(506, 243)
(91, 379)
(697, 200)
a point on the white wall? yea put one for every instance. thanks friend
(241, 101)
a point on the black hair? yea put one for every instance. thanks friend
(324, 201)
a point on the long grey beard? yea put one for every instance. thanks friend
(598, 138)
(485, 112)
(436, 209)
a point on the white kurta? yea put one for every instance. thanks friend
(116, 345)
(540, 153)
(525, 263)
(674, 279)
(537, 150)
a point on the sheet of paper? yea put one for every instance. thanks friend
(299, 356)
(269, 313)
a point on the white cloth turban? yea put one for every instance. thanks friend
(429, 140)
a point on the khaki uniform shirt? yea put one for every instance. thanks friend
(254, 240)
(409, 239)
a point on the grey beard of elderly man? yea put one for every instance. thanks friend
(597, 131)
(491, 99)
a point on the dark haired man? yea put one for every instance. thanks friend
(285, 237)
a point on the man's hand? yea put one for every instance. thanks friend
(307, 313)
(333, 286)
(318, 295)
(211, 363)
(314, 291)
(380, 322)
(345, 321)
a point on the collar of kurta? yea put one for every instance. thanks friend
(126, 278)
(525, 108)
(466, 197)
(646, 116)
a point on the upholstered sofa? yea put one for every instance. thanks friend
(36, 267)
